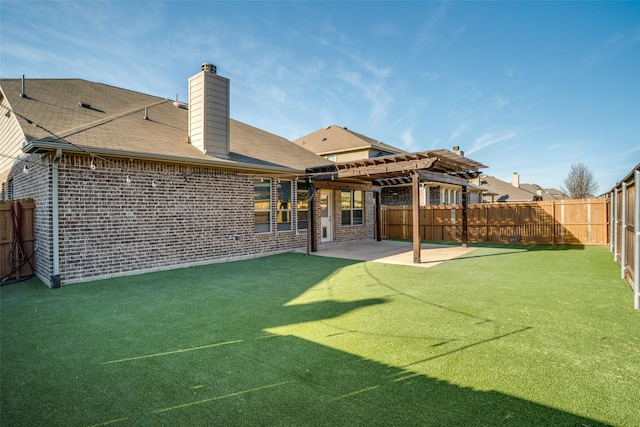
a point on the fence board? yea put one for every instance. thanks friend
(8, 247)
(573, 222)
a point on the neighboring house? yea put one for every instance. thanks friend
(126, 183)
(496, 190)
(339, 144)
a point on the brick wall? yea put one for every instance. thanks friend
(347, 233)
(129, 216)
(36, 184)
(396, 196)
(165, 216)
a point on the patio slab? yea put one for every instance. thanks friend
(392, 252)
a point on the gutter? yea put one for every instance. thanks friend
(55, 277)
(35, 146)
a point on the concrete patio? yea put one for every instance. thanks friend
(391, 252)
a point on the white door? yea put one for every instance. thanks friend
(326, 220)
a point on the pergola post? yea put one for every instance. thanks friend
(465, 230)
(312, 244)
(415, 201)
(378, 224)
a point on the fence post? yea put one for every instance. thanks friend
(588, 220)
(636, 244)
(553, 222)
(486, 223)
(615, 224)
(623, 238)
(611, 220)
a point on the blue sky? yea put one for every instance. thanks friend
(531, 87)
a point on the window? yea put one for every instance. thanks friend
(262, 205)
(303, 205)
(284, 205)
(351, 203)
(9, 190)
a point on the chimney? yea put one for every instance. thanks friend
(515, 180)
(456, 149)
(209, 112)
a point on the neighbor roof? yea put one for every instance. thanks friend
(111, 122)
(547, 194)
(336, 139)
(507, 192)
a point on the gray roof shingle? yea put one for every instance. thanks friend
(336, 139)
(113, 121)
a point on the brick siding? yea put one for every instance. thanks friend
(166, 216)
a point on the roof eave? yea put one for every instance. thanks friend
(35, 146)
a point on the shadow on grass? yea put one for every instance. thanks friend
(520, 246)
(190, 347)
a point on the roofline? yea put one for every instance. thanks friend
(35, 146)
(346, 150)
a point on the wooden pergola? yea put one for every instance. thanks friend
(372, 174)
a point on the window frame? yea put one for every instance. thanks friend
(286, 212)
(302, 204)
(258, 227)
(349, 210)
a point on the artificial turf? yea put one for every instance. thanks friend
(506, 335)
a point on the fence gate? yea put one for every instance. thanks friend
(17, 240)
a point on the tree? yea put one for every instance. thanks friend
(579, 184)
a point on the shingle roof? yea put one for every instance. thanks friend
(112, 120)
(335, 139)
(506, 192)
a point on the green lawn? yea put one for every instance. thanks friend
(510, 335)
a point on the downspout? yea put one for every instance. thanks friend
(55, 277)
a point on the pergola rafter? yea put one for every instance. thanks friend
(409, 168)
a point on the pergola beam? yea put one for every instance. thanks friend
(386, 168)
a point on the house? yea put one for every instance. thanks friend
(496, 190)
(126, 182)
(339, 144)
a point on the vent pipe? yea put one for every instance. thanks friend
(23, 93)
(146, 113)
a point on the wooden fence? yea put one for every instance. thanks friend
(574, 222)
(17, 240)
(625, 230)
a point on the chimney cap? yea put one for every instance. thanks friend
(209, 68)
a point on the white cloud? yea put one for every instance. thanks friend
(456, 133)
(407, 139)
(490, 138)
(500, 102)
(611, 47)
(511, 71)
